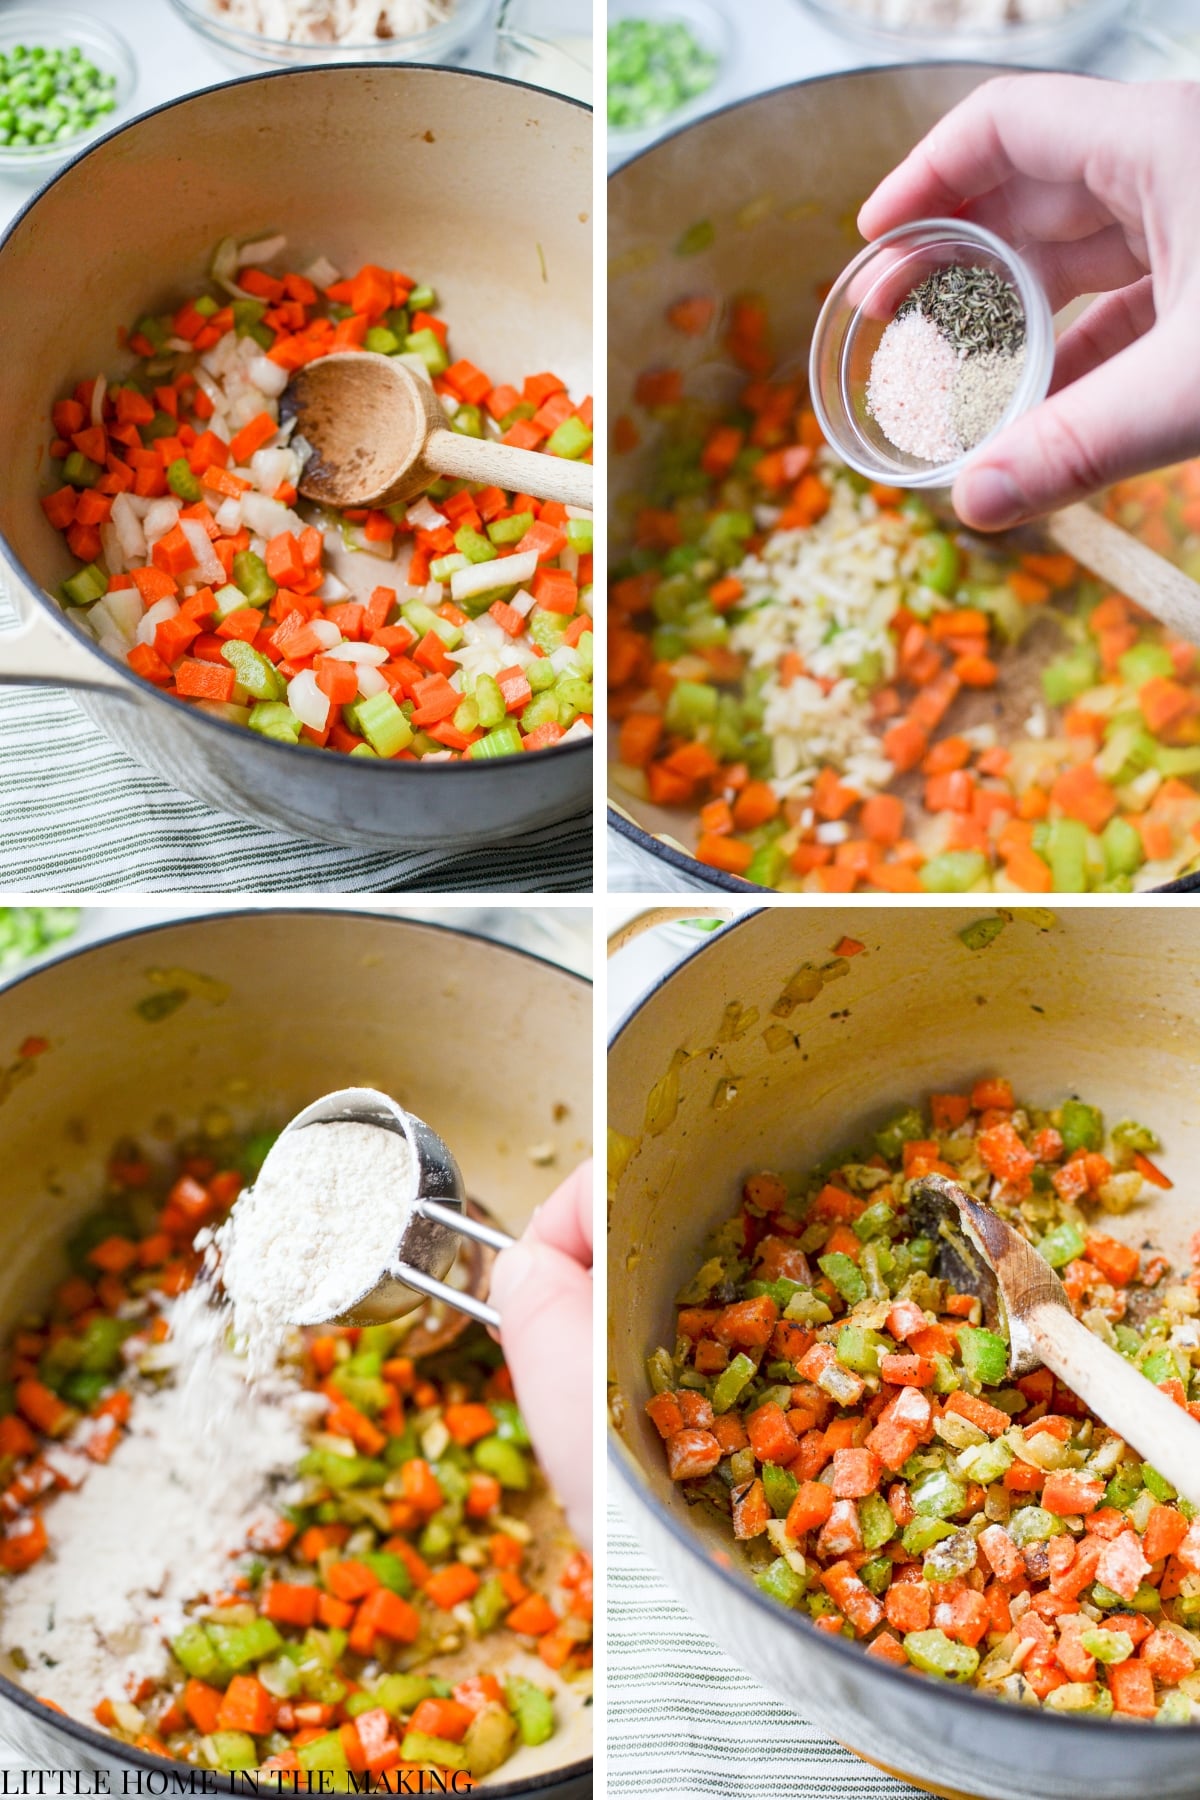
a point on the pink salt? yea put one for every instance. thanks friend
(910, 391)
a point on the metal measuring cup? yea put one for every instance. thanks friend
(434, 1218)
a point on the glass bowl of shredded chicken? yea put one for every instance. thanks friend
(257, 34)
(1049, 32)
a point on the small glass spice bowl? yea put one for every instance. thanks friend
(55, 28)
(862, 304)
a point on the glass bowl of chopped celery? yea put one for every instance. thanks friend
(665, 61)
(242, 33)
(65, 78)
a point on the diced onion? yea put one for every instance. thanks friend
(370, 681)
(268, 377)
(523, 602)
(268, 517)
(124, 606)
(270, 468)
(358, 653)
(99, 389)
(322, 273)
(425, 515)
(229, 516)
(579, 512)
(505, 571)
(562, 659)
(327, 631)
(128, 527)
(206, 560)
(307, 701)
(153, 617)
(161, 518)
(580, 729)
(112, 555)
(332, 588)
(260, 250)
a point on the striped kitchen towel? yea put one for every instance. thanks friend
(79, 816)
(684, 1722)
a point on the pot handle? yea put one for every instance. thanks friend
(664, 915)
(43, 652)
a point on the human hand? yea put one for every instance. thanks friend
(542, 1289)
(1094, 181)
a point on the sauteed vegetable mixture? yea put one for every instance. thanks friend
(816, 673)
(456, 626)
(406, 1541)
(848, 1412)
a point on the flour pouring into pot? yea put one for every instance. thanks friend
(242, 1544)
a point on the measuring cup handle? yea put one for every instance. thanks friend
(465, 1225)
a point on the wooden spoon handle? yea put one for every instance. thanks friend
(1164, 1434)
(1132, 567)
(501, 465)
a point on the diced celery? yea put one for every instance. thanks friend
(532, 1708)
(489, 1603)
(234, 1750)
(876, 1521)
(398, 1693)
(503, 1460)
(327, 1752)
(935, 1654)
(1131, 1136)
(779, 1486)
(921, 1533)
(391, 1570)
(80, 470)
(422, 299)
(907, 1127)
(1159, 1486)
(255, 672)
(1082, 1127)
(1062, 1245)
(953, 871)
(1033, 1525)
(504, 741)
(181, 481)
(428, 346)
(275, 719)
(782, 1582)
(574, 698)
(858, 1347)
(383, 725)
(252, 576)
(85, 586)
(510, 530)
(580, 535)
(1064, 679)
(571, 439)
(1107, 1646)
(196, 1651)
(1122, 845)
(730, 1383)
(443, 567)
(489, 701)
(692, 705)
(876, 1220)
(938, 1494)
(845, 1276)
(229, 599)
(1144, 662)
(237, 1646)
(474, 546)
(380, 339)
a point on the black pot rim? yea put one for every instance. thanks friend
(144, 691)
(969, 1701)
(47, 1718)
(628, 828)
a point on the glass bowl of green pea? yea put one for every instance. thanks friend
(64, 79)
(666, 59)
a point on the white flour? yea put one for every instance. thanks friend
(314, 1232)
(157, 1524)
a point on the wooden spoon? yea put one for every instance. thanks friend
(1024, 1299)
(1130, 566)
(379, 435)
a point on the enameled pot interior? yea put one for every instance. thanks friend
(300, 1004)
(478, 186)
(1104, 1004)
